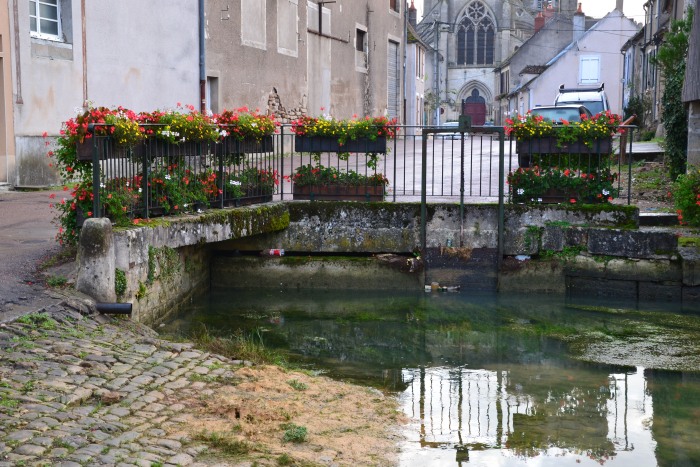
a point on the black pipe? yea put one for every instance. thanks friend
(114, 308)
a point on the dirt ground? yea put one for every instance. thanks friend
(651, 188)
(249, 414)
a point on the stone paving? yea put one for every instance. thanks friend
(78, 389)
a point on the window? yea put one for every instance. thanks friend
(589, 69)
(253, 23)
(44, 19)
(476, 36)
(394, 5)
(360, 40)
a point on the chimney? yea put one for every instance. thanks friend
(619, 4)
(539, 21)
(579, 23)
(412, 14)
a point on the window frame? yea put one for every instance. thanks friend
(589, 58)
(35, 14)
(476, 37)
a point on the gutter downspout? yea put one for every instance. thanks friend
(202, 67)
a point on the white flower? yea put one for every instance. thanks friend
(223, 133)
(521, 191)
(140, 190)
(234, 182)
(184, 205)
(606, 192)
(167, 177)
(127, 184)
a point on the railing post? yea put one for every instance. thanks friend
(96, 205)
(501, 196)
(423, 191)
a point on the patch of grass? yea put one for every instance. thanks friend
(224, 443)
(239, 345)
(38, 320)
(56, 281)
(294, 433)
(298, 385)
(285, 459)
(65, 255)
(689, 241)
(7, 402)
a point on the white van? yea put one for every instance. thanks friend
(594, 99)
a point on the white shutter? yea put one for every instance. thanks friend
(393, 80)
(589, 69)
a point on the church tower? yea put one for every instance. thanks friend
(470, 38)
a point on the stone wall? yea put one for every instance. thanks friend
(546, 249)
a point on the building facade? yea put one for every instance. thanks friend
(297, 57)
(61, 55)
(470, 39)
(284, 57)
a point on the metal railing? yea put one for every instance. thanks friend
(436, 165)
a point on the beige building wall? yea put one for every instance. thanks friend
(7, 144)
(141, 55)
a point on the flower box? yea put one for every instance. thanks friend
(248, 145)
(338, 193)
(548, 145)
(108, 150)
(331, 144)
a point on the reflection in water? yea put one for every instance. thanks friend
(479, 377)
(546, 416)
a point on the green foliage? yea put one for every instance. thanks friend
(56, 281)
(119, 282)
(224, 442)
(638, 106)
(345, 130)
(671, 58)
(686, 197)
(530, 185)
(39, 320)
(294, 433)
(528, 127)
(319, 175)
(298, 385)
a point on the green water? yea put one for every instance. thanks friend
(489, 380)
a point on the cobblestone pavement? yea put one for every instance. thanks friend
(78, 388)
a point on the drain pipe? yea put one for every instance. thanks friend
(113, 308)
(202, 67)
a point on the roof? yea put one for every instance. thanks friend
(533, 70)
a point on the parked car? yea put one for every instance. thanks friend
(451, 126)
(570, 113)
(594, 99)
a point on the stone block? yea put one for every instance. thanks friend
(632, 243)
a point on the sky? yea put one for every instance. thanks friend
(596, 8)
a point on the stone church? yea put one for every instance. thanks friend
(470, 38)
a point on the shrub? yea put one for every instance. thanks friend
(686, 197)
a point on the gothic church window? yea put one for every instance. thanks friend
(475, 36)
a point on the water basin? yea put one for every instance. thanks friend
(489, 380)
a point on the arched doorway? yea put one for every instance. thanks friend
(475, 107)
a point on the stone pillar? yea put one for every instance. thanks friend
(694, 134)
(96, 260)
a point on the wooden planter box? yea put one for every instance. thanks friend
(248, 145)
(338, 193)
(107, 149)
(549, 146)
(329, 144)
